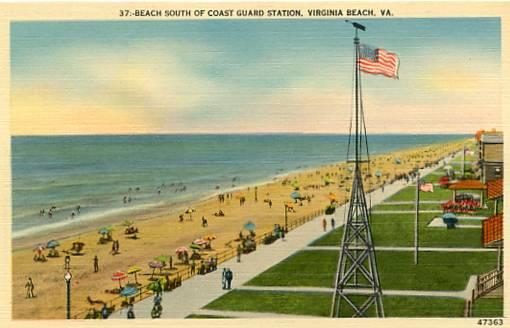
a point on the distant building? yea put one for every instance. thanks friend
(490, 155)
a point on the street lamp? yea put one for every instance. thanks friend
(67, 277)
(286, 207)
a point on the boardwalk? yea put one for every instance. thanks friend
(201, 290)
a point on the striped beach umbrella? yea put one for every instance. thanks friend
(118, 276)
(200, 241)
(181, 249)
(134, 270)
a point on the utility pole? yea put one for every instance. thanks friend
(463, 159)
(416, 218)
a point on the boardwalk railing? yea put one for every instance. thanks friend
(177, 276)
(485, 283)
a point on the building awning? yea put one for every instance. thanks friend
(495, 189)
(467, 185)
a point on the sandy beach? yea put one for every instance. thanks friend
(161, 232)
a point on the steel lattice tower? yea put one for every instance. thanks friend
(357, 287)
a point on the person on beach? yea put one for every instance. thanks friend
(181, 218)
(229, 276)
(30, 288)
(282, 233)
(117, 246)
(332, 223)
(239, 252)
(270, 203)
(324, 224)
(192, 268)
(204, 222)
(224, 278)
(96, 264)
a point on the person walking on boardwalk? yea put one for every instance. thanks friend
(224, 278)
(30, 288)
(104, 311)
(229, 276)
(96, 264)
(324, 224)
(239, 252)
(332, 223)
(130, 312)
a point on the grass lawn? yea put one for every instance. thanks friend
(409, 193)
(398, 230)
(405, 207)
(435, 271)
(470, 222)
(488, 307)
(319, 304)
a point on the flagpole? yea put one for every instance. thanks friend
(417, 205)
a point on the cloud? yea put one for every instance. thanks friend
(147, 84)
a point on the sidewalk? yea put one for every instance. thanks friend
(199, 291)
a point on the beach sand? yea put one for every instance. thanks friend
(161, 233)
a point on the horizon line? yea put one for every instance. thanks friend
(233, 133)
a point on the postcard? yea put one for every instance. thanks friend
(236, 163)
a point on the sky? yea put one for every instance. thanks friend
(251, 76)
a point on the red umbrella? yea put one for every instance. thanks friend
(181, 249)
(119, 275)
(200, 241)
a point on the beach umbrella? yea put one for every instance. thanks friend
(210, 237)
(181, 249)
(200, 241)
(332, 197)
(129, 291)
(194, 246)
(105, 230)
(189, 211)
(378, 173)
(295, 195)
(397, 160)
(162, 258)
(328, 180)
(289, 205)
(250, 226)
(118, 276)
(155, 265)
(52, 244)
(134, 270)
(127, 223)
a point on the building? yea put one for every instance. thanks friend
(490, 155)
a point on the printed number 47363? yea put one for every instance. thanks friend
(490, 322)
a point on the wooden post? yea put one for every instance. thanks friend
(417, 205)
(463, 159)
(499, 259)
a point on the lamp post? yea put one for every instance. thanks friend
(67, 278)
(286, 207)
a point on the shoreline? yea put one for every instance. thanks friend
(162, 234)
(153, 211)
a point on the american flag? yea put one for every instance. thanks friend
(378, 61)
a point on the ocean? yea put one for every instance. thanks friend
(116, 175)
